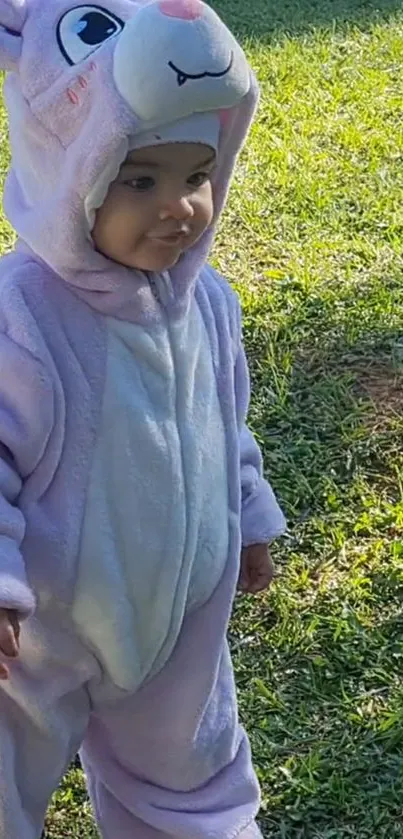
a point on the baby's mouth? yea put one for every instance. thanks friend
(175, 238)
(169, 241)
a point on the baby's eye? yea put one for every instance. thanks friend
(198, 179)
(141, 184)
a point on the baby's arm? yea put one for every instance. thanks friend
(261, 518)
(26, 420)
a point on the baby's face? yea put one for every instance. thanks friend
(158, 207)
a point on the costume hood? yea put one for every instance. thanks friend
(84, 81)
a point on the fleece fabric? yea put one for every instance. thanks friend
(128, 476)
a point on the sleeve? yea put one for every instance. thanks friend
(261, 517)
(26, 421)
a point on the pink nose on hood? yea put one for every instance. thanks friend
(183, 9)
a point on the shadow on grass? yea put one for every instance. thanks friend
(319, 661)
(327, 403)
(323, 710)
(266, 19)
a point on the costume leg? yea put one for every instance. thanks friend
(44, 712)
(172, 760)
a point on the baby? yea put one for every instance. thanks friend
(130, 485)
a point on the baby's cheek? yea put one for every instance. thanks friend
(109, 227)
(205, 208)
(210, 203)
(96, 232)
(122, 218)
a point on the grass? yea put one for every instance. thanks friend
(313, 241)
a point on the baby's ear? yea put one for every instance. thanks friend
(12, 18)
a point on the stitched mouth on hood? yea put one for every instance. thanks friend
(183, 77)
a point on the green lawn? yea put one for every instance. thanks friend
(313, 240)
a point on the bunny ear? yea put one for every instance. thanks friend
(12, 18)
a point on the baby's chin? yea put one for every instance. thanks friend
(159, 265)
(139, 261)
(155, 263)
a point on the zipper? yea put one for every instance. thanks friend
(161, 287)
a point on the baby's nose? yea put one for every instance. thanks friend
(178, 207)
(183, 9)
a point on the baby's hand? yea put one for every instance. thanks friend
(257, 569)
(9, 638)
